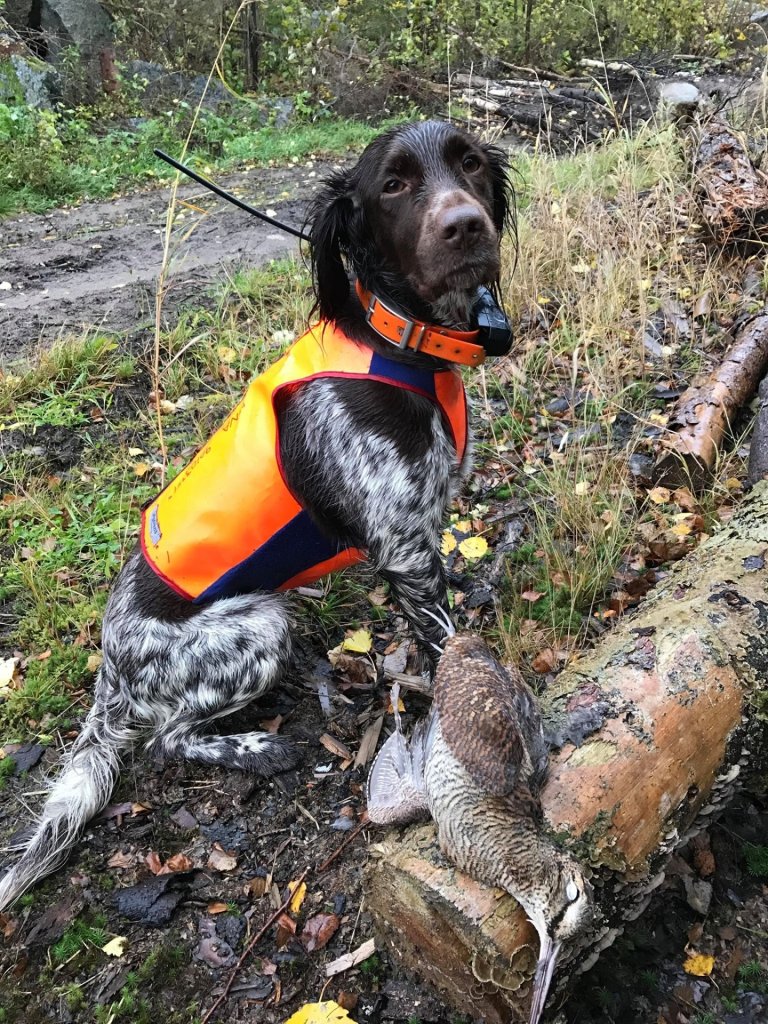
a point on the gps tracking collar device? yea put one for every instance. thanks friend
(488, 318)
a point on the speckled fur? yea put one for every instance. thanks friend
(374, 466)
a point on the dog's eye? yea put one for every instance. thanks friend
(393, 186)
(470, 163)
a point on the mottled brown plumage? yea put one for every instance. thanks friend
(477, 764)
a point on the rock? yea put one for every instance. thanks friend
(159, 86)
(25, 80)
(698, 893)
(678, 100)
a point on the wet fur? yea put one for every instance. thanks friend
(374, 466)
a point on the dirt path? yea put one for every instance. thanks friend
(97, 264)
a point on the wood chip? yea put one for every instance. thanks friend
(335, 746)
(351, 959)
(369, 742)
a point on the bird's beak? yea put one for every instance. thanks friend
(545, 968)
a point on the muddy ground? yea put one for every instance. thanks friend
(96, 264)
(238, 842)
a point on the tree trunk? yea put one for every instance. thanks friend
(704, 413)
(653, 732)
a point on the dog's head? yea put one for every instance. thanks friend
(418, 219)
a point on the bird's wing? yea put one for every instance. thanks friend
(396, 789)
(488, 716)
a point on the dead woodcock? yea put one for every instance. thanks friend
(477, 764)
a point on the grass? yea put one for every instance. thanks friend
(603, 245)
(49, 159)
(79, 936)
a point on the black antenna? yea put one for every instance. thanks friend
(229, 197)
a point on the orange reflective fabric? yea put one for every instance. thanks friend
(231, 500)
(244, 498)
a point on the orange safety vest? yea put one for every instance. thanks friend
(228, 523)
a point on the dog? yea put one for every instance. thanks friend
(370, 455)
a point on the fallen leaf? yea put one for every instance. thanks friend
(221, 861)
(379, 596)
(531, 595)
(286, 928)
(226, 354)
(545, 661)
(319, 930)
(299, 891)
(116, 946)
(582, 487)
(360, 642)
(135, 452)
(699, 964)
(217, 908)
(166, 407)
(659, 495)
(153, 862)
(140, 469)
(94, 662)
(121, 860)
(320, 1013)
(473, 547)
(448, 543)
(681, 529)
(178, 862)
(256, 887)
(400, 706)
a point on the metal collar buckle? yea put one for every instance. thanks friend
(405, 331)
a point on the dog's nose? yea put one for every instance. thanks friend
(461, 226)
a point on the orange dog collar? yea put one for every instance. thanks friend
(453, 346)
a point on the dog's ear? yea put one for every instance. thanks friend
(503, 194)
(329, 222)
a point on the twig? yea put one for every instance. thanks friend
(352, 835)
(249, 948)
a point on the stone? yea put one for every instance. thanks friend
(27, 81)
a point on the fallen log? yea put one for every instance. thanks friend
(653, 732)
(731, 193)
(704, 413)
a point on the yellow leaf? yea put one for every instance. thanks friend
(699, 964)
(582, 487)
(681, 529)
(473, 547)
(400, 707)
(7, 669)
(733, 483)
(141, 469)
(463, 526)
(116, 946)
(659, 495)
(299, 891)
(226, 354)
(359, 642)
(133, 452)
(94, 662)
(320, 1013)
(448, 543)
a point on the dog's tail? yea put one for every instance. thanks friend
(81, 790)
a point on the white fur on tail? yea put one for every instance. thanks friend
(81, 790)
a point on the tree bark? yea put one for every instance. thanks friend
(732, 193)
(703, 414)
(653, 730)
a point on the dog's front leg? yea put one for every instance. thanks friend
(414, 571)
